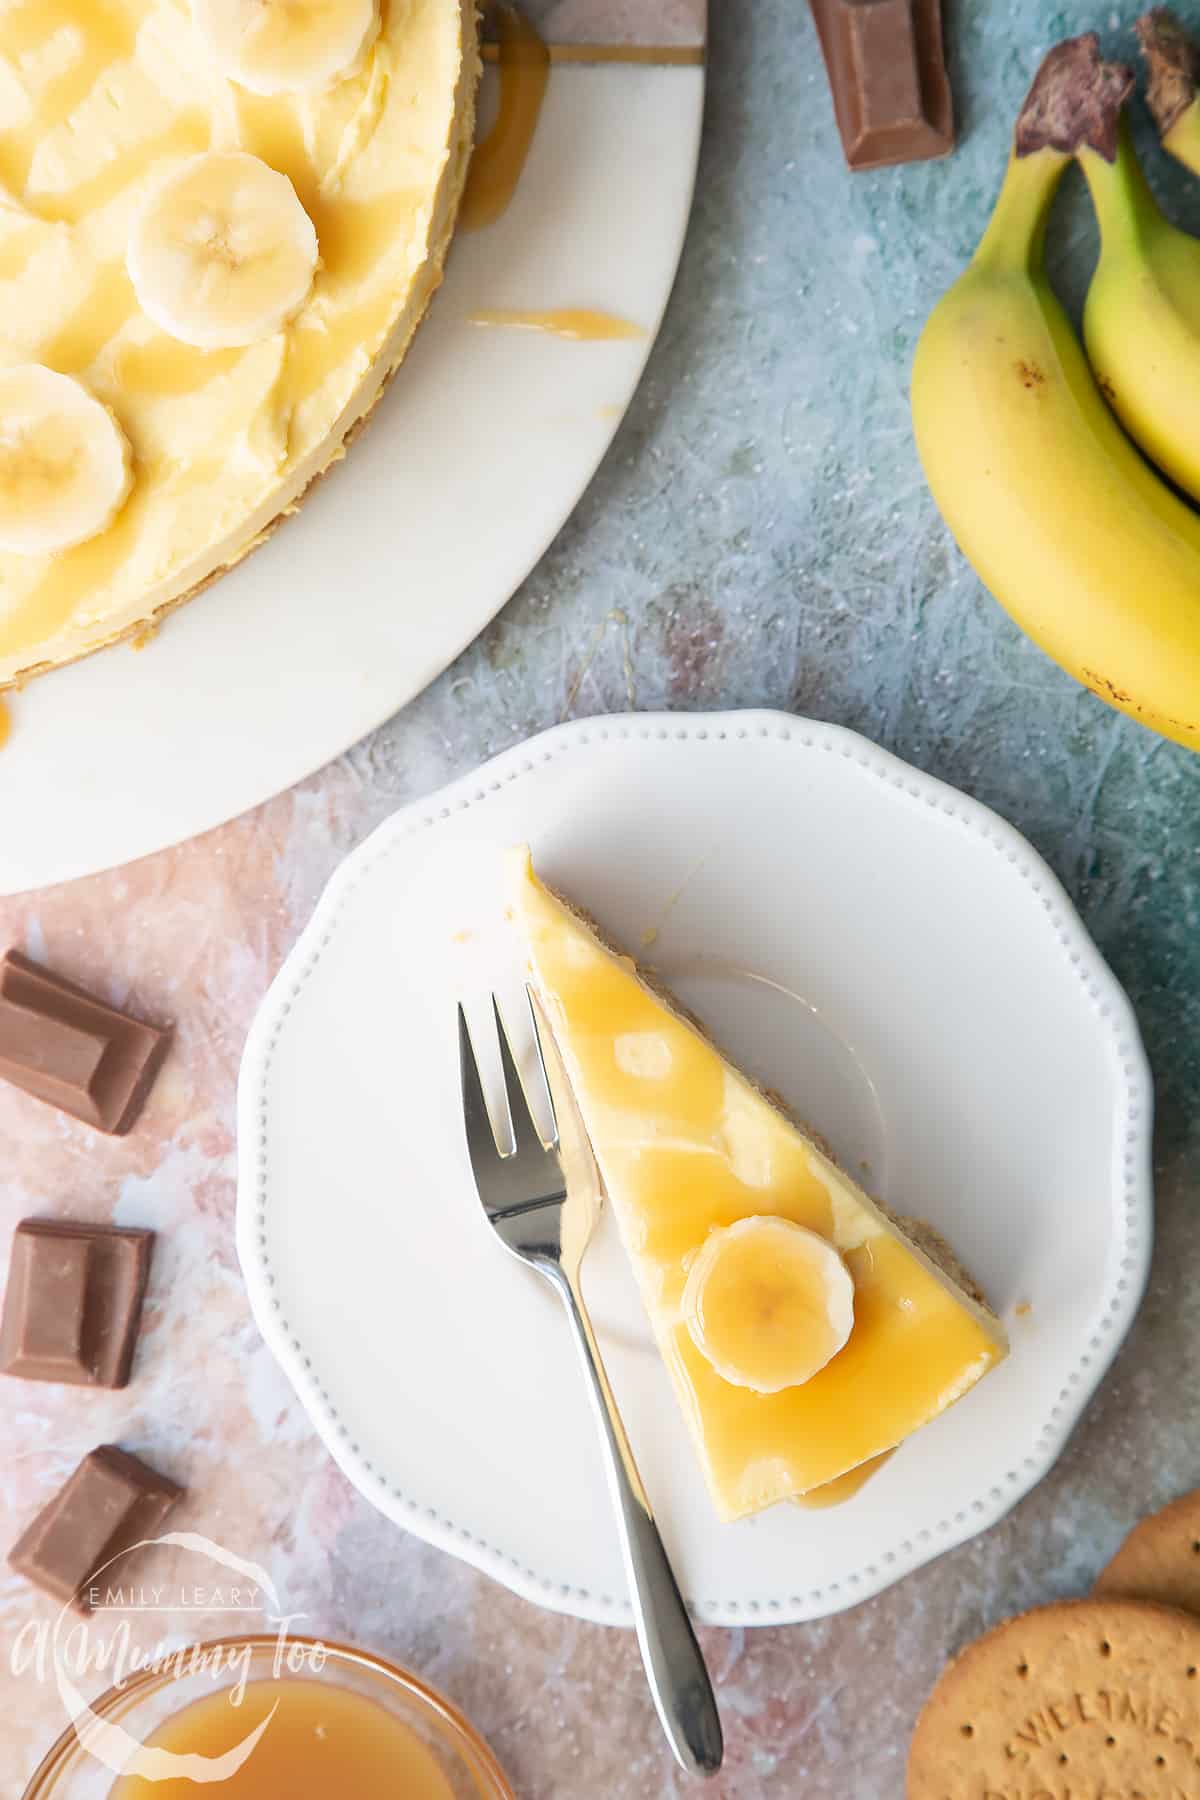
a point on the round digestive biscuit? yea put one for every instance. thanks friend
(1160, 1559)
(1086, 1698)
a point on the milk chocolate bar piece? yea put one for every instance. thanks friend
(73, 1302)
(60, 1044)
(111, 1502)
(887, 70)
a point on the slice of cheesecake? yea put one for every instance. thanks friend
(806, 1330)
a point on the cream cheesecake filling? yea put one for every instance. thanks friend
(98, 100)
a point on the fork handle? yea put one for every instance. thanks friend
(678, 1679)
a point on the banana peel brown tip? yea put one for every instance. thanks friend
(1172, 64)
(1075, 101)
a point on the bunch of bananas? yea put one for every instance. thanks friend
(1095, 556)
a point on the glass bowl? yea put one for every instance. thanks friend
(145, 1700)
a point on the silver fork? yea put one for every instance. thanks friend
(543, 1200)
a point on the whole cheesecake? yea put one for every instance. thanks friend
(220, 225)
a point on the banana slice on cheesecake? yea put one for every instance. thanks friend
(64, 462)
(222, 253)
(287, 46)
(768, 1303)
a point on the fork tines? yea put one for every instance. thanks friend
(500, 1173)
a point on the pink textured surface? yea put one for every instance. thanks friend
(194, 936)
(678, 23)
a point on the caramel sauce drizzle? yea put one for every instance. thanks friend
(578, 322)
(837, 1492)
(108, 37)
(500, 156)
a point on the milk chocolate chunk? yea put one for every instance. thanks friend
(76, 1053)
(74, 1302)
(887, 71)
(111, 1502)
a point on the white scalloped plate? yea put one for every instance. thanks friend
(887, 953)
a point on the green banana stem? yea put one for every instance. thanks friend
(1074, 103)
(1016, 232)
(1126, 209)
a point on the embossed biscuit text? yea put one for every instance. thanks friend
(1107, 1706)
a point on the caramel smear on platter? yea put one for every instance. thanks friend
(575, 322)
(500, 157)
(837, 1492)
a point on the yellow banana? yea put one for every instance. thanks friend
(1092, 554)
(1141, 323)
